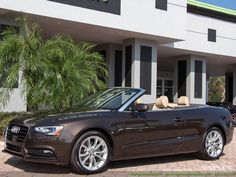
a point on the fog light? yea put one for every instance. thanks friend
(47, 152)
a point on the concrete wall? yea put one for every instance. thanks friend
(16, 102)
(190, 80)
(136, 16)
(164, 74)
(197, 36)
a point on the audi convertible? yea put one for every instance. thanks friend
(114, 124)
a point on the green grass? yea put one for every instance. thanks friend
(5, 118)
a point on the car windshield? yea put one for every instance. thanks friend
(111, 99)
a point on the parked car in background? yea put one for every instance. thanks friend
(230, 107)
(111, 125)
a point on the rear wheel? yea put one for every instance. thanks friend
(91, 153)
(212, 145)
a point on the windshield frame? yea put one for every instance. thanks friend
(131, 100)
(123, 106)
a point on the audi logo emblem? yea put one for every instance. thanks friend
(15, 129)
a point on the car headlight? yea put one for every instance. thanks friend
(49, 130)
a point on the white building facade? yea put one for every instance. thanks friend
(167, 47)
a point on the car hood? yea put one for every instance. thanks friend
(56, 118)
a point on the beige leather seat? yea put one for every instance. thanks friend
(161, 102)
(183, 101)
(138, 101)
(170, 105)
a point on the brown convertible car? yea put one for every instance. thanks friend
(113, 125)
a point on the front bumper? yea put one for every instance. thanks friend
(36, 147)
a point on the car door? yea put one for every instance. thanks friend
(153, 132)
(194, 128)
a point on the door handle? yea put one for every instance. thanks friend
(178, 119)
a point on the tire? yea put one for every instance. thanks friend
(212, 147)
(93, 158)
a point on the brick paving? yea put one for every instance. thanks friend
(186, 165)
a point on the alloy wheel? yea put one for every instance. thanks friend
(93, 153)
(214, 143)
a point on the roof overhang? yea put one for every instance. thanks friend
(206, 9)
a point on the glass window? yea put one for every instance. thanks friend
(111, 99)
(159, 88)
(168, 83)
(165, 87)
(161, 4)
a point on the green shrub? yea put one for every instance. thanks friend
(5, 118)
(57, 72)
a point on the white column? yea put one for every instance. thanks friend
(234, 87)
(135, 65)
(17, 101)
(190, 79)
(110, 60)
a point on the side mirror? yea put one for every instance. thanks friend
(140, 108)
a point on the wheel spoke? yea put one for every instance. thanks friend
(212, 135)
(101, 152)
(85, 154)
(219, 143)
(215, 151)
(95, 142)
(216, 137)
(83, 146)
(90, 162)
(98, 146)
(102, 159)
(208, 148)
(85, 159)
(89, 143)
(95, 162)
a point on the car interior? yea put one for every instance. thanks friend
(162, 103)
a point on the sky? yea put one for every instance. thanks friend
(229, 4)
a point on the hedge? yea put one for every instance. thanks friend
(5, 118)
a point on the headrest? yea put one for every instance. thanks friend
(161, 102)
(138, 101)
(183, 100)
(165, 97)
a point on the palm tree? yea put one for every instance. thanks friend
(73, 71)
(19, 55)
(57, 72)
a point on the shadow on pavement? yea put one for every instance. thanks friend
(33, 167)
(152, 161)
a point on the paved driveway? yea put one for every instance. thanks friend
(156, 166)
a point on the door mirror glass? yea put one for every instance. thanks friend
(140, 108)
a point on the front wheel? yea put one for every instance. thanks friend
(213, 144)
(91, 153)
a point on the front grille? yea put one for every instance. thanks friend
(15, 139)
(13, 147)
